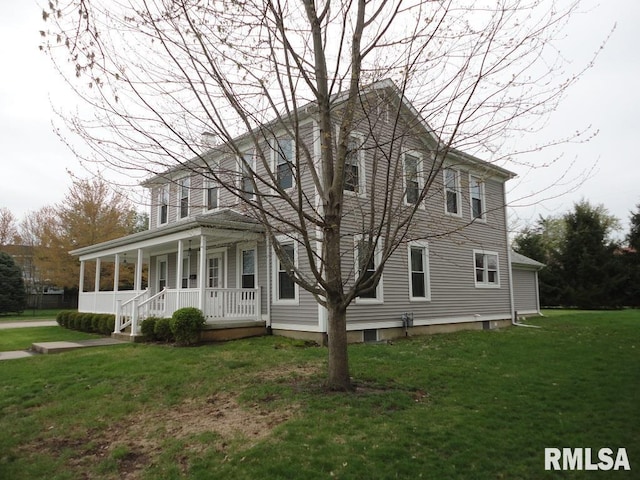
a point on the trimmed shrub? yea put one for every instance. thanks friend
(186, 325)
(162, 330)
(107, 324)
(85, 322)
(96, 320)
(63, 317)
(147, 327)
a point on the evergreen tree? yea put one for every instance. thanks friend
(592, 275)
(631, 260)
(12, 293)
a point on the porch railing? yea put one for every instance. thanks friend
(232, 304)
(127, 312)
(219, 304)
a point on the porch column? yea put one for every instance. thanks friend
(116, 273)
(203, 270)
(96, 286)
(96, 283)
(138, 285)
(81, 284)
(179, 262)
(116, 281)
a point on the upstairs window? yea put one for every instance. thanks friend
(476, 192)
(247, 165)
(353, 166)
(284, 162)
(412, 178)
(452, 191)
(213, 200)
(486, 269)
(163, 204)
(183, 194)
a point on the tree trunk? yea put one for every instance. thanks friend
(339, 379)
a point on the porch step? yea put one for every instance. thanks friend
(56, 347)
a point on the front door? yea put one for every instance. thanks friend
(215, 280)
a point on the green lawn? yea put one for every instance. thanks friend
(469, 405)
(22, 338)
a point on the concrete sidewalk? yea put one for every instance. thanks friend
(27, 324)
(57, 347)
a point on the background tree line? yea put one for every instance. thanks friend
(586, 266)
(91, 212)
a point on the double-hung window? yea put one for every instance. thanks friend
(286, 290)
(412, 178)
(247, 166)
(452, 191)
(366, 265)
(419, 284)
(486, 269)
(353, 165)
(163, 204)
(284, 162)
(248, 268)
(184, 185)
(213, 200)
(476, 193)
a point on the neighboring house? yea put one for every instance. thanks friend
(526, 295)
(40, 293)
(204, 249)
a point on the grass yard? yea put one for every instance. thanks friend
(22, 338)
(30, 315)
(469, 405)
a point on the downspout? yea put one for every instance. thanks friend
(268, 254)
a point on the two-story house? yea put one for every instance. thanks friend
(205, 248)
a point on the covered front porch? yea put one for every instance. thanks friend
(211, 262)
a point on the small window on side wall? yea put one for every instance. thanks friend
(486, 269)
(476, 193)
(452, 191)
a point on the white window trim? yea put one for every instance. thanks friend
(164, 190)
(483, 217)
(211, 184)
(252, 165)
(283, 239)
(486, 284)
(457, 188)
(179, 197)
(275, 156)
(239, 249)
(427, 271)
(362, 178)
(419, 167)
(377, 259)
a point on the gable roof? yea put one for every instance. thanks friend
(387, 85)
(519, 260)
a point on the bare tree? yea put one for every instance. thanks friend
(156, 74)
(8, 227)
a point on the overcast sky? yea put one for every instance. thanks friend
(34, 163)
